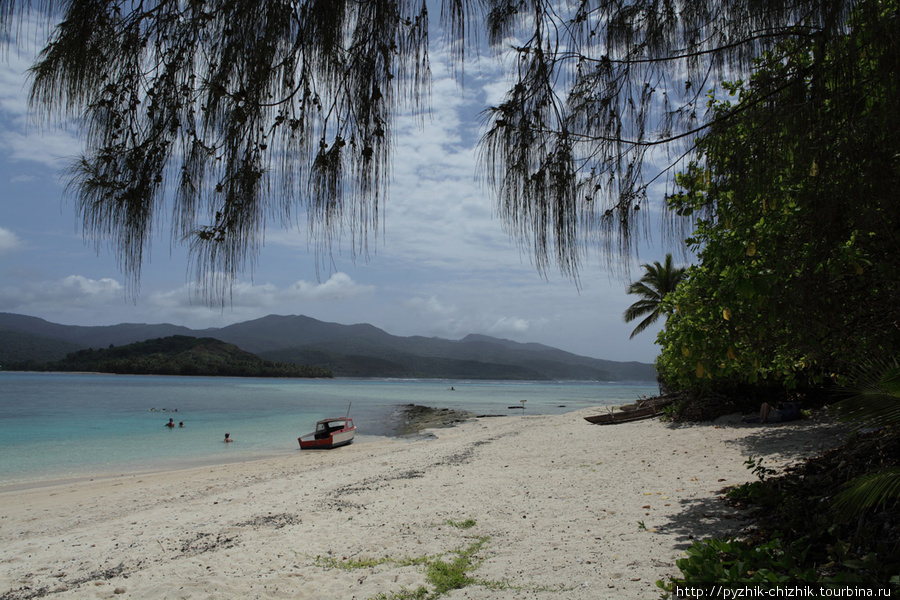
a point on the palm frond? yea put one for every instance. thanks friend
(640, 288)
(644, 324)
(874, 400)
(870, 490)
(639, 309)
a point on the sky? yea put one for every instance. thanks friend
(441, 264)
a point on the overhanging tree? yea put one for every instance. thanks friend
(219, 115)
(608, 96)
(228, 114)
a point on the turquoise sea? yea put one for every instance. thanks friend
(66, 425)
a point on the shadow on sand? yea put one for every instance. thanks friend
(778, 444)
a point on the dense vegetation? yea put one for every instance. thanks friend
(175, 355)
(797, 281)
(796, 293)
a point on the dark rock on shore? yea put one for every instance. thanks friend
(412, 418)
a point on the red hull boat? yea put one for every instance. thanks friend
(329, 433)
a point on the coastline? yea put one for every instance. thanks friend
(408, 422)
(557, 501)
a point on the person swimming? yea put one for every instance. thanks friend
(171, 423)
(228, 438)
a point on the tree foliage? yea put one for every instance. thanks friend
(797, 218)
(607, 97)
(221, 115)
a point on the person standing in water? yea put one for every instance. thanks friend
(228, 438)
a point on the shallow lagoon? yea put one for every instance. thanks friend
(69, 425)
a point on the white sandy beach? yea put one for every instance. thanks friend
(558, 500)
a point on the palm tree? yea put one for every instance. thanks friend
(658, 280)
(873, 401)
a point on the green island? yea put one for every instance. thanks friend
(174, 355)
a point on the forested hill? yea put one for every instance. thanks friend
(360, 350)
(176, 355)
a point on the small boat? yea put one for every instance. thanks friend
(646, 408)
(625, 416)
(329, 433)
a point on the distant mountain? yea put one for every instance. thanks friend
(93, 336)
(360, 350)
(16, 345)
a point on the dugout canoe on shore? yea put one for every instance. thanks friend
(643, 409)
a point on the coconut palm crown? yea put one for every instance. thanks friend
(658, 280)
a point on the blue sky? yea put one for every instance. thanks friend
(440, 265)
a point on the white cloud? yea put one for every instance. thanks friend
(510, 326)
(470, 312)
(431, 307)
(22, 138)
(51, 148)
(338, 287)
(23, 179)
(9, 242)
(13, 87)
(74, 291)
(82, 286)
(248, 300)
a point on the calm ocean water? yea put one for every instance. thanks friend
(62, 425)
